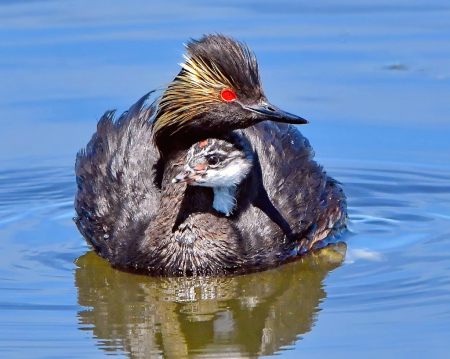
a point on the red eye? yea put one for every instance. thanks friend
(228, 95)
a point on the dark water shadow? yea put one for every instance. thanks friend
(250, 315)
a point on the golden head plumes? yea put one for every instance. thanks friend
(198, 86)
(217, 91)
(213, 64)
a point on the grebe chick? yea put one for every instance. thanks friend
(218, 164)
(294, 202)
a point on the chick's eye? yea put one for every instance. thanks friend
(213, 160)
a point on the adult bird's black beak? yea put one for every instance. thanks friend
(274, 113)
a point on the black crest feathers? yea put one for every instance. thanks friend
(212, 64)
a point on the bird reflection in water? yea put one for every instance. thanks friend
(250, 315)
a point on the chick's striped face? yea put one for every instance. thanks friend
(215, 163)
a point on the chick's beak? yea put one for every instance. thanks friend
(190, 175)
(273, 113)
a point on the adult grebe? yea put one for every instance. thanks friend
(132, 210)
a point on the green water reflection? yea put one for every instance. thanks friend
(248, 315)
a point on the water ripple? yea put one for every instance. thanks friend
(398, 232)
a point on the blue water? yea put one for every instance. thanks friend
(372, 78)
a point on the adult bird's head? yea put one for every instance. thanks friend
(218, 90)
